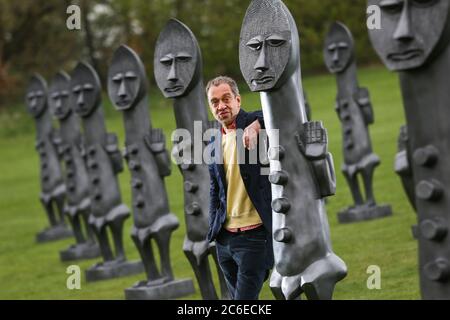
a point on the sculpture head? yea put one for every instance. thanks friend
(59, 95)
(85, 89)
(338, 48)
(36, 96)
(411, 33)
(269, 45)
(177, 61)
(127, 83)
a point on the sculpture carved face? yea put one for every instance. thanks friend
(59, 94)
(85, 89)
(36, 96)
(338, 48)
(267, 42)
(410, 31)
(177, 59)
(125, 78)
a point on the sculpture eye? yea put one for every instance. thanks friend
(130, 75)
(254, 44)
(76, 89)
(391, 6)
(424, 3)
(88, 87)
(275, 41)
(117, 78)
(342, 45)
(184, 57)
(166, 60)
(332, 47)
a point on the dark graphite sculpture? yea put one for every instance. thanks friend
(149, 162)
(53, 190)
(104, 162)
(178, 73)
(414, 40)
(301, 167)
(354, 110)
(78, 204)
(402, 166)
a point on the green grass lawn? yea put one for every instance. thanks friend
(34, 271)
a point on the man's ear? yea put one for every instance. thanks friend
(238, 99)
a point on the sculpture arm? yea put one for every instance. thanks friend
(363, 100)
(112, 149)
(156, 143)
(313, 143)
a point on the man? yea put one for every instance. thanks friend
(240, 196)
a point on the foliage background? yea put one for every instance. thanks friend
(34, 37)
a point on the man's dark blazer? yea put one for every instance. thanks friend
(257, 185)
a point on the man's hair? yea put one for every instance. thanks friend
(221, 80)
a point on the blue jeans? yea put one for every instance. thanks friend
(242, 259)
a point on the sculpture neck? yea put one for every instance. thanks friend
(347, 81)
(425, 96)
(190, 108)
(94, 126)
(70, 128)
(286, 102)
(137, 121)
(43, 124)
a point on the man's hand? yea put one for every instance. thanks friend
(250, 137)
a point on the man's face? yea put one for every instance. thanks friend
(175, 59)
(85, 90)
(265, 44)
(410, 30)
(36, 97)
(223, 103)
(338, 48)
(59, 94)
(124, 79)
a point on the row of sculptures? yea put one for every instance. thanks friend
(86, 189)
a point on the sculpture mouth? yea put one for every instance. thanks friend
(262, 80)
(173, 89)
(405, 55)
(123, 103)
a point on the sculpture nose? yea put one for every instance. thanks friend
(122, 90)
(80, 99)
(33, 103)
(403, 31)
(336, 56)
(58, 104)
(172, 77)
(261, 63)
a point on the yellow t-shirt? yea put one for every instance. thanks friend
(240, 210)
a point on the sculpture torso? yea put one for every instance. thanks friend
(77, 181)
(51, 174)
(308, 244)
(104, 187)
(188, 109)
(148, 189)
(355, 136)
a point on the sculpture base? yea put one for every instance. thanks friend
(144, 290)
(113, 269)
(87, 250)
(57, 232)
(363, 213)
